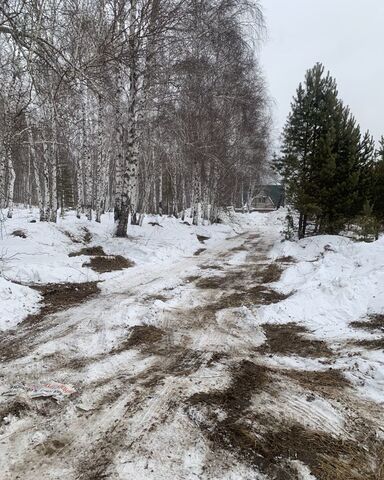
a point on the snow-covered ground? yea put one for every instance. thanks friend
(335, 281)
(43, 256)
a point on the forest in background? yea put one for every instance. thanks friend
(140, 106)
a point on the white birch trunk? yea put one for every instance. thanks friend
(11, 184)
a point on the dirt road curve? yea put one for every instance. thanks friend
(176, 379)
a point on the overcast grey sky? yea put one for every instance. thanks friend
(347, 36)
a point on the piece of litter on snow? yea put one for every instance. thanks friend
(55, 390)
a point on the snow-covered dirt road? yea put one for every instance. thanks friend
(177, 377)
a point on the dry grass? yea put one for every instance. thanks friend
(89, 251)
(374, 344)
(269, 444)
(108, 263)
(271, 273)
(286, 259)
(140, 336)
(289, 339)
(61, 296)
(329, 383)
(374, 322)
(258, 295)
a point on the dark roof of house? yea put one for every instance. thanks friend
(275, 192)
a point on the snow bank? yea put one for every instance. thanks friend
(336, 281)
(16, 302)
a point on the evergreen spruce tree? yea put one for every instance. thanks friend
(324, 163)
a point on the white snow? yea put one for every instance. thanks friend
(43, 258)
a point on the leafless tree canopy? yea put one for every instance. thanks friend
(140, 106)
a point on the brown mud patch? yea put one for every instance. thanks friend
(19, 233)
(286, 259)
(13, 407)
(61, 296)
(258, 295)
(289, 339)
(144, 336)
(89, 251)
(330, 383)
(202, 239)
(240, 248)
(247, 377)
(271, 273)
(374, 344)
(51, 446)
(268, 444)
(211, 267)
(373, 322)
(110, 263)
(56, 298)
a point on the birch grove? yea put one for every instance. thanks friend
(131, 106)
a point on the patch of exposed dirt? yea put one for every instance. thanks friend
(374, 344)
(85, 237)
(240, 277)
(271, 273)
(187, 362)
(329, 383)
(289, 339)
(240, 248)
(286, 259)
(268, 445)
(19, 233)
(211, 267)
(210, 282)
(141, 336)
(61, 296)
(258, 295)
(13, 407)
(108, 263)
(374, 322)
(51, 446)
(89, 251)
(247, 377)
(202, 238)
(328, 457)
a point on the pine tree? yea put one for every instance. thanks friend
(307, 144)
(325, 163)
